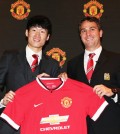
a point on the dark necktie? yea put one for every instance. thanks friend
(34, 63)
(90, 66)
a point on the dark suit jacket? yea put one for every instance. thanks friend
(15, 72)
(108, 63)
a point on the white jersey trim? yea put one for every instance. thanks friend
(37, 79)
(11, 122)
(99, 111)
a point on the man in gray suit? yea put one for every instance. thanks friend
(15, 67)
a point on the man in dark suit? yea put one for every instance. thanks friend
(15, 67)
(105, 78)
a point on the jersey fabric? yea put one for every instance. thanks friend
(52, 106)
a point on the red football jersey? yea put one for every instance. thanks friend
(52, 106)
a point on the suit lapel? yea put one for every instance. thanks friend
(80, 69)
(22, 60)
(43, 64)
(23, 65)
(102, 60)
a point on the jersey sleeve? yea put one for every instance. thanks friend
(96, 106)
(14, 112)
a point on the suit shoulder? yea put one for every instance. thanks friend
(14, 51)
(111, 54)
(77, 58)
(49, 59)
(8, 55)
(10, 52)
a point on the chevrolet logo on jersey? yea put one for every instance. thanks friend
(54, 119)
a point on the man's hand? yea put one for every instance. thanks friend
(64, 76)
(102, 90)
(43, 75)
(8, 97)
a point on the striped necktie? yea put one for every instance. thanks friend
(34, 63)
(90, 66)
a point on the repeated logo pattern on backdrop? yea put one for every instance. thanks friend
(20, 10)
(93, 8)
(57, 54)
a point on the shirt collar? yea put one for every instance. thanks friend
(29, 52)
(97, 51)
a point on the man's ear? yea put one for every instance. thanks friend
(26, 33)
(48, 37)
(101, 33)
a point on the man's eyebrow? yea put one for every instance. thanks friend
(89, 27)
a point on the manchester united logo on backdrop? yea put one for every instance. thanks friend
(20, 9)
(93, 8)
(57, 54)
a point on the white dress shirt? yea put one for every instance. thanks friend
(95, 58)
(29, 54)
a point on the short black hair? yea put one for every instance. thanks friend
(40, 21)
(91, 19)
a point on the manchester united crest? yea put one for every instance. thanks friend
(20, 9)
(93, 8)
(66, 102)
(57, 54)
(106, 76)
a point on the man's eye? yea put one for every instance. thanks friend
(92, 29)
(33, 30)
(42, 31)
(83, 31)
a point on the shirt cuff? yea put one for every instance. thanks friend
(115, 98)
(1, 104)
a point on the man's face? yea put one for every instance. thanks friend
(37, 36)
(90, 35)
